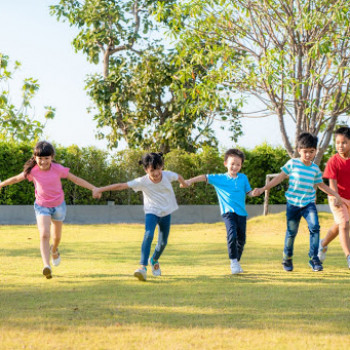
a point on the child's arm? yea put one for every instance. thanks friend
(323, 187)
(96, 193)
(333, 184)
(181, 180)
(80, 182)
(199, 178)
(274, 182)
(12, 180)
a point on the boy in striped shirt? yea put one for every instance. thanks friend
(304, 177)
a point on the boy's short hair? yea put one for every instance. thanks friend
(154, 160)
(307, 140)
(234, 152)
(344, 130)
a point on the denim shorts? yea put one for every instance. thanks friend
(57, 213)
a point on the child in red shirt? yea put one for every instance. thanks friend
(338, 172)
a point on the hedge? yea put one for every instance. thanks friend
(102, 168)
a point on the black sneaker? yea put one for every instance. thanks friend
(47, 272)
(316, 264)
(287, 264)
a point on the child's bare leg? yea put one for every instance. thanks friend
(331, 234)
(344, 237)
(56, 234)
(43, 223)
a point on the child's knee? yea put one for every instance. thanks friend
(148, 235)
(344, 225)
(44, 235)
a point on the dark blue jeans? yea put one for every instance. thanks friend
(151, 221)
(236, 236)
(294, 215)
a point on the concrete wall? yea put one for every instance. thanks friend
(109, 214)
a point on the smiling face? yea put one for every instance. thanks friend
(233, 165)
(44, 163)
(307, 155)
(155, 175)
(342, 145)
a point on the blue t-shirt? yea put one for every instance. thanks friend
(302, 179)
(231, 192)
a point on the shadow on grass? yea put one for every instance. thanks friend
(247, 301)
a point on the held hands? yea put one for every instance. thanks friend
(258, 191)
(187, 183)
(96, 193)
(338, 201)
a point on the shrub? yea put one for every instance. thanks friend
(101, 169)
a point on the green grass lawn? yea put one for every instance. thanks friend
(94, 302)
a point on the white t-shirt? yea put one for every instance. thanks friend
(158, 199)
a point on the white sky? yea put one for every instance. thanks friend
(31, 36)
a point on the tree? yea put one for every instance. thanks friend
(15, 122)
(293, 56)
(138, 97)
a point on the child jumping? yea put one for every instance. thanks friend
(301, 196)
(159, 202)
(49, 205)
(231, 189)
(338, 172)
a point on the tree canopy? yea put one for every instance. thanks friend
(16, 123)
(291, 55)
(139, 96)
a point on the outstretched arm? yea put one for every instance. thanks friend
(12, 180)
(274, 182)
(80, 182)
(115, 187)
(182, 181)
(199, 178)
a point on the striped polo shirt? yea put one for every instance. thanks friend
(302, 179)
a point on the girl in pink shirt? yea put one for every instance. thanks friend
(49, 206)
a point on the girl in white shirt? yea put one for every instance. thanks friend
(159, 202)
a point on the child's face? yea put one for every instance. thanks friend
(233, 165)
(342, 145)
(307, 155)
(44, 163)
(155, 175)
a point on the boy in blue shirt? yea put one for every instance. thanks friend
(304, 176)
(231, 188)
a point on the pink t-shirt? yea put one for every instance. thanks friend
(48, 187)
(338, 168)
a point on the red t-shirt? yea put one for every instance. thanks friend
(338, 168)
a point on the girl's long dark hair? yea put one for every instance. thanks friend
(41, 149)
(155, 160)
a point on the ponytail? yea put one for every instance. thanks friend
(28, 166)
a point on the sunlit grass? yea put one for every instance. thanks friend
(94, 302)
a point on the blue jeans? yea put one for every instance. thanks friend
(294, 214)
(235, 228)
(151, 221)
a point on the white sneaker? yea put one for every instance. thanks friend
(47, 272)
(236, 268)
(155, 268)
(322, 251)
(141, 274)
(348, 260)
(57, 260)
